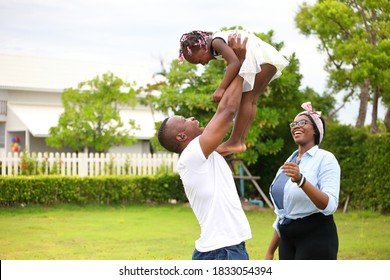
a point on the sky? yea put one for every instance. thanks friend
(147, 32)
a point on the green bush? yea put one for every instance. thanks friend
(364, 159)
(49, 190)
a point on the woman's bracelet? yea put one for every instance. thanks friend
(302, 181)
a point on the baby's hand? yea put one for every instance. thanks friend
(217, 95)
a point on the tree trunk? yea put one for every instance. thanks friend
(364, 95)
(374, 115)
(387, 120)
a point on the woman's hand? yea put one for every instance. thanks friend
(292, 170)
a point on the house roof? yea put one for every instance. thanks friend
(50, 74)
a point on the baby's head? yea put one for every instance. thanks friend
(190, 46)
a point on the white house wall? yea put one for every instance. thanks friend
(35, 97)
(38, 144)
(3, 94)
(142, 146)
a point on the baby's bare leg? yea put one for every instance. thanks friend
(247, 112)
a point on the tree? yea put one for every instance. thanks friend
(188, 88)
(355, 36)
(91, 118)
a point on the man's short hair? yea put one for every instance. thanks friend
(163, 135)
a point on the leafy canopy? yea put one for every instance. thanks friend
(91, 118)
(355, 36)
(187, 91)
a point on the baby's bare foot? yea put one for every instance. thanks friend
(225, 149)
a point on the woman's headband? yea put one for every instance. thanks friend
(316, 119)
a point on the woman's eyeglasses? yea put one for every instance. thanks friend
(299, 123)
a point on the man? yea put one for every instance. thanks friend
(206, 176)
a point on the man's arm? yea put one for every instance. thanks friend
(219, 125)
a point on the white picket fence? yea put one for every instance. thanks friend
(82, 164)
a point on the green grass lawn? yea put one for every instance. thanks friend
(156, 233)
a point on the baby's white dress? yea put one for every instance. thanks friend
(257, 52)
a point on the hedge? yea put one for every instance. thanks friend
(364, 159)
(49, 190)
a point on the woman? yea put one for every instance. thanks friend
(305, 195)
